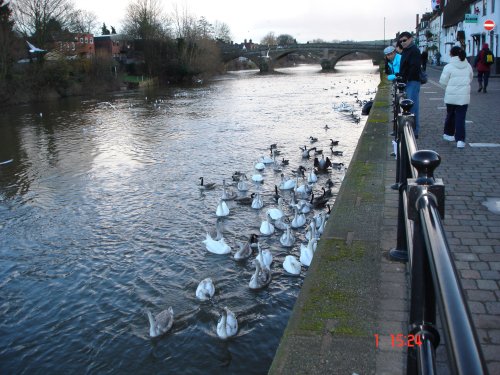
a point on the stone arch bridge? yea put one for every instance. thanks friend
(327, 53)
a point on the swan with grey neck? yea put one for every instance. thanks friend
(161, 323)
(227, 326)
(205, 289)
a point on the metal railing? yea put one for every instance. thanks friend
(434, 281)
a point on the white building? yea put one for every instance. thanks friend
(460, 22)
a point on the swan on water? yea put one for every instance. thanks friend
(227, 194)
(281, 223)
(292, 265)
(262, 276)
(265, 257)
(222, 209)
(205, 289)
(311, 232)
(266, 160)
(257, 178)
(299, 219)
(266, 228)
(243, 183)
(161, 323)
(307, 253)
(246, 250)
(260, 166)
(311, 177)
(216, 246)
(206, 185)
(287, 239)
(276, 213)
(257, 202)
(227, 326)
(286, 183)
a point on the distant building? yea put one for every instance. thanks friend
(73, 44)
(117, 46)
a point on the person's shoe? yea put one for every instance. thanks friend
(480, 89)
(484, 90)
(460, 144)
(449, 138)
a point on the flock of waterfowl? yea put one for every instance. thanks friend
(299, 203)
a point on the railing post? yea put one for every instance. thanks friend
(399, 94)
(422, 322)
(403, 172)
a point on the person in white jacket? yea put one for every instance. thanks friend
(456, 77)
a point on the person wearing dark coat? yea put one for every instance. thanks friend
(425, 57)
(410, 72)
(483, 68)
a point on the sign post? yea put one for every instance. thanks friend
(489, 25)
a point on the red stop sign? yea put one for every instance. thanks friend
(489, 25)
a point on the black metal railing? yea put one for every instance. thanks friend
(434, 281)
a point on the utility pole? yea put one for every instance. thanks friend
(384, 31)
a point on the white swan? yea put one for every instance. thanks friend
(262, 276)
(311, 231)
(266, 228)
(257, 202)
(287, 239)
(299, 219)
(227, 326)
(260, 166)
(246, 250)
(276, 213)
(161, 323)
(227, 194)
(266, 160)
(222, 209)
(286, 183)
(205, 289)
(303, 190)
(281, 224)
(257, 178)
(292, 265)
(265, 257)
(307, 253)
(311, 177)
(243, 184)
(216, 246)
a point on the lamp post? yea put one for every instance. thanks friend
(384, 31)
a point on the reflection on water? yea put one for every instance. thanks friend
(101, 217)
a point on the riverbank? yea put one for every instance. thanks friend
(351, 291)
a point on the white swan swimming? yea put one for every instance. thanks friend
(161, 323)
(287, 239)
(216, 246)
(292, 265)
(257, 178)
(311, 232)
(257, 202)
(227, 326)
(205, 289)
(276, 213)
(281, 223)
(262, 276)
(307, 253)
(265, 257)
(286, 183)
(243, 183)
(266, 160)
(266, 228)
(222, 209)
(246, 250)
(299, 220)
(311, 177)
(227, 194)
(260, 166)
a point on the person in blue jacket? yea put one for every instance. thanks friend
(393, 61)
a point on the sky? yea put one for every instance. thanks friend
(305, 20)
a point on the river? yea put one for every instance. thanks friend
(102, 217)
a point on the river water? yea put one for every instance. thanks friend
(101, 217)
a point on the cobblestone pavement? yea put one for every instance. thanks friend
(472, 181)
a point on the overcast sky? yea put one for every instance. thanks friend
(303, 19)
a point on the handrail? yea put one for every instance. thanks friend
(434, 280)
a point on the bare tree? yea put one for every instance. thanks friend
(33, 17)
(222, 32)
(286, 40)
(145, 20)
(83, 21)
(269, 39)
(7, 39)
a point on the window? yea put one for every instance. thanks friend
(91, 41)
(73, 46)
(86, 40)
(81, 40)
(493, 7)
(485, 6)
